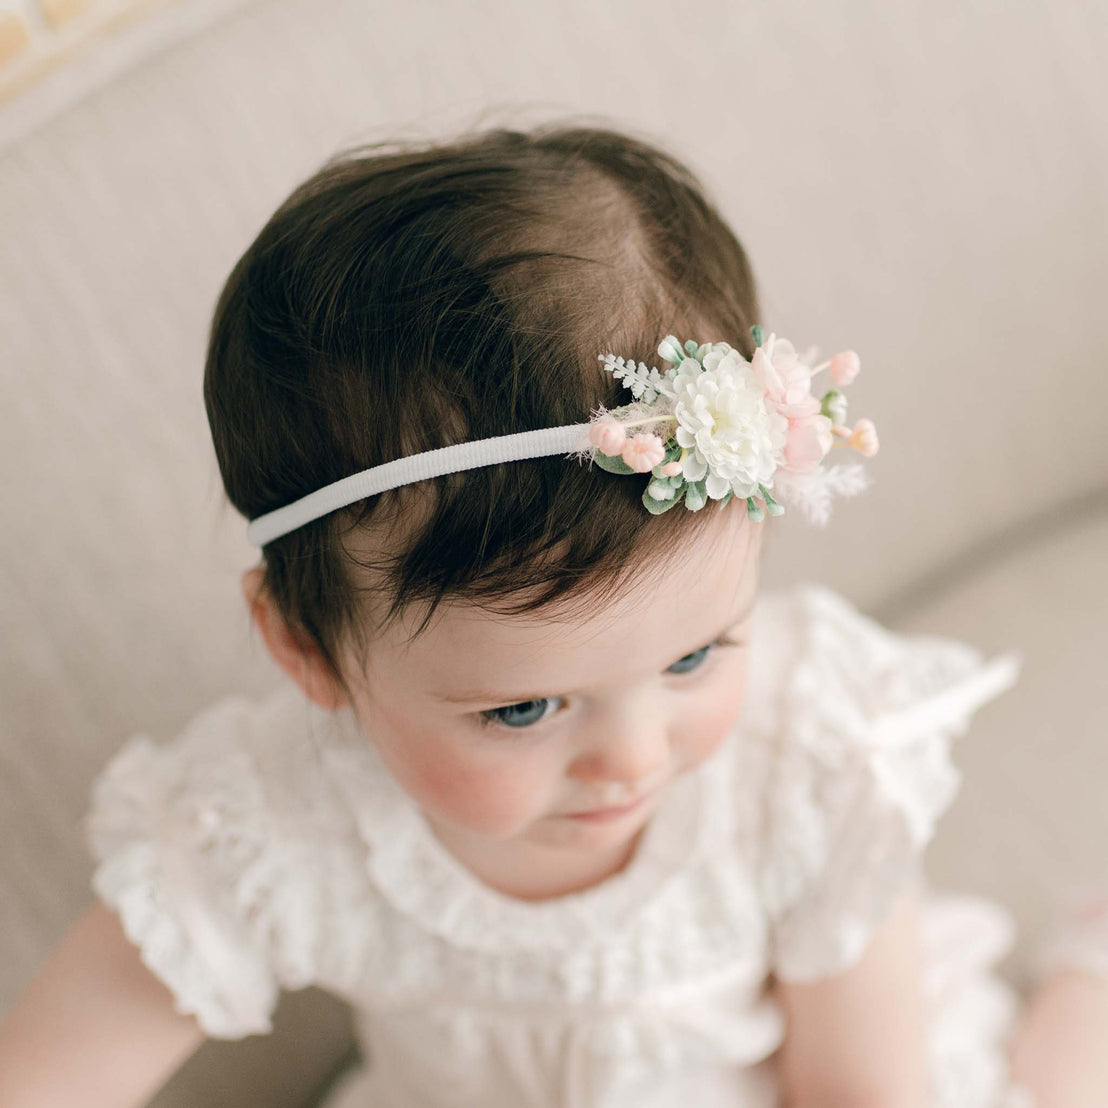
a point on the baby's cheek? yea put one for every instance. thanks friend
(489, 798)
(706, 726)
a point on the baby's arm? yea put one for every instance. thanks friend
(859, 1038)
(95, 1027)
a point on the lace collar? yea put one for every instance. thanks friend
(419, 876)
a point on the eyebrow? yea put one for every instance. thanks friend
(488, 696)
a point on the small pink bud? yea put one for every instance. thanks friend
(608, 436)
(642, 452)
(671, 469)
(844, 367)
(864, 438)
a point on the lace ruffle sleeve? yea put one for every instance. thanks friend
(860, 774)
(191, 858)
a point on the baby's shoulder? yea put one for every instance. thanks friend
(216, 849)
(854, 765)
(238, 800)
(237, 759)
(820, 665)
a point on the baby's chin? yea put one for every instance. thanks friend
(569, 863)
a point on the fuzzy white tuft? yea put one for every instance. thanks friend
(812, 492)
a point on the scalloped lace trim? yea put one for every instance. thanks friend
(146, 836)
(862, 775)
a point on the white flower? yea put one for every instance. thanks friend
(661, 490)
(715, 352)
(734, 439)
(670, 349)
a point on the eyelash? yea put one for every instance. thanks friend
(485, 719)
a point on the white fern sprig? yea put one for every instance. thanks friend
(646, 384)
(812, 492)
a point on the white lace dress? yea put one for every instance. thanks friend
(267, 847)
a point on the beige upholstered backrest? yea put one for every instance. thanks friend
(924, 183)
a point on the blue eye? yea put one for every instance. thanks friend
(690, 661)
(523, 714)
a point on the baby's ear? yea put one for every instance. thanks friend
(296, 655)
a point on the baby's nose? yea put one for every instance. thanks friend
(630, 752)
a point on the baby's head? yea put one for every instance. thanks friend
(524, 641)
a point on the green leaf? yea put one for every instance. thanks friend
(658, 485)
(696, 496)
(613, 464)
(657, 507)
(834, 406)
(772, 506)
(757, 334)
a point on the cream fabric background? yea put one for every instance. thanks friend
(923, 182)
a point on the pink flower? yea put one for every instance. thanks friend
(671, 469)
(844, 367)
(608, 436)
(788, 384)
(808, 443)
(864, 438)
(786, 379)
(642, 452)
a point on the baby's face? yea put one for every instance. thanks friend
(505, 730)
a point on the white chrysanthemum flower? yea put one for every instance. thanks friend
(735, 442)
(715, 352)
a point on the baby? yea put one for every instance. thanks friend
(568, 810)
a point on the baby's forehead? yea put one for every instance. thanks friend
(666, 606)
(406, 580)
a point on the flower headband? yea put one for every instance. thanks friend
(711, 427)
(716, 426)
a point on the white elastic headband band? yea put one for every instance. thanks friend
(569, 439)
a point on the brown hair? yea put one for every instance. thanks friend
(408, 296)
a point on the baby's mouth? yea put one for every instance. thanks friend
(610, 813)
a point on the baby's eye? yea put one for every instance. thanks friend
(690, 661)
(524, 714)
(696, 659)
